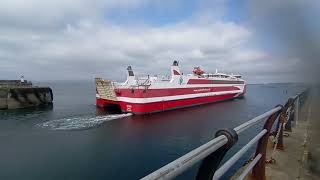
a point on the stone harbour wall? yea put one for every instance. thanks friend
(23, 97)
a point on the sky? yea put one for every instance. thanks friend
(265, 41)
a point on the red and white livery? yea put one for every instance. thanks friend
(155, 94)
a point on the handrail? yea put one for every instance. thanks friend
(255, 120)
(226, 166)
(215, 149)
(249, 167)
(176, 167)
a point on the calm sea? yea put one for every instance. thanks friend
(75, 140)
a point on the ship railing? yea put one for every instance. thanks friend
(212, 153)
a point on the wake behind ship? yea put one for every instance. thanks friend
(142, 95)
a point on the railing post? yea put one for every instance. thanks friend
(258, 171)
(282, 120)
(288, 126)
(280, 137)
(211, 163)
(296, 110)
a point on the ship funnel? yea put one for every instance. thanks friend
(175, 63)
(22, 79)
(175, 70)
(130, 71)
(130, 78)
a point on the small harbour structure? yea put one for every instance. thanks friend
(16, 94)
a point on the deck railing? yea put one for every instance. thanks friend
(212, 153)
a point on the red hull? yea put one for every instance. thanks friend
(144, 108)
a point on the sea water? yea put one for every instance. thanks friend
(75, 140)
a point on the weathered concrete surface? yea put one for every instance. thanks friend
(3, 98)
(289, 163)
(23, 97)
(313, 134)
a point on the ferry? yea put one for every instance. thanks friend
(150, 94)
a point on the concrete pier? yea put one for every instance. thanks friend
(15, 94)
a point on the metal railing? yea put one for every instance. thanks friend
(211, 154)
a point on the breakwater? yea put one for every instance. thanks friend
(15, 94)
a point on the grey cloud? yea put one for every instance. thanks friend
(72, 40)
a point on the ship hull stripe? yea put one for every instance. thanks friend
(209, 81)
(143, 108)
(151, 93)
(171, 98)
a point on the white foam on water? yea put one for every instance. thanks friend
(77, 123)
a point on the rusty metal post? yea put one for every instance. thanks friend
(280, 137)
(288, 126)
(296, 109)
(282, 120)
(211, 163)
(258, 171)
